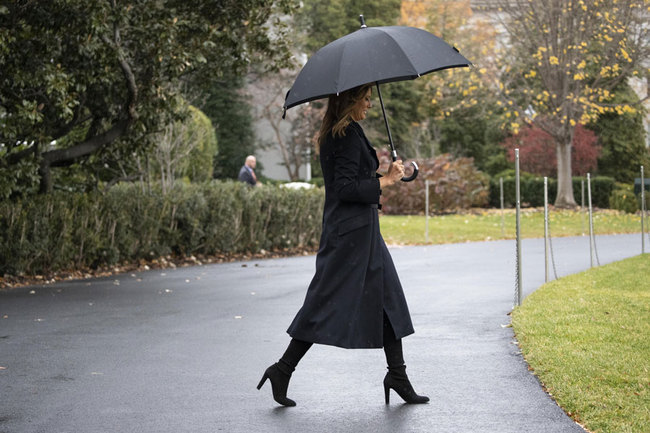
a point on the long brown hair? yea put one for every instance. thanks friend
(339, 113)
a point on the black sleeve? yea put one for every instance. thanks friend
(347, 180)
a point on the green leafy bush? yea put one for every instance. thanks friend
(637, 192)
(623, 198)
(66, 230)
(601, 190)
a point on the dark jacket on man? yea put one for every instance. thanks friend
(355, 280)
(245, 175)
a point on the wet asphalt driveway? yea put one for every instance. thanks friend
(182, 350)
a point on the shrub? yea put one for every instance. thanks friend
(69, 230)
(601, 190)
(623, 198)
(532, 190)
(637, 192)
(455, 184)
(318, 181)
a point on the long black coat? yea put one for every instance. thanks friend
(355, 279)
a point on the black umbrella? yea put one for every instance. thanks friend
(373, 55)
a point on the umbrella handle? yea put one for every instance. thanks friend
(414, 175)
(416, 169)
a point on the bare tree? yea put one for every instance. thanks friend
(294, 135)
(169, 152)
(174, 145)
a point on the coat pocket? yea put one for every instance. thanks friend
(353, 223)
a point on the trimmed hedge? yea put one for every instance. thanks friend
(532, 190)
(70, 230)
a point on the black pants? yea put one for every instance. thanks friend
(392, 349)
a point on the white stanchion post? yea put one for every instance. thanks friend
(642, 212)
(426, 211)
(546, 229)
(591, 222)
(582, 204)
(518, 289)
(503, 223)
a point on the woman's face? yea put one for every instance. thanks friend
(360, 109)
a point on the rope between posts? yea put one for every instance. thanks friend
(550, 243)
(596, 250)
(593, 239)
(517, 272)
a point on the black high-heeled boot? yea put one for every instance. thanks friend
(280, 372)
(279, 376)
(397, 380)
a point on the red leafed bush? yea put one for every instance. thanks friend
(454, 184)
(537, 151)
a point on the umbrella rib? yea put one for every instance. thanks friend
(338, 75)
(400, 50)
(344, 84)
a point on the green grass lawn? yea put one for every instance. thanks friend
(486, 225)
(587, 337)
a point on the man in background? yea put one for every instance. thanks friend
(247, 172)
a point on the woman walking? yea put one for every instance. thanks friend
(355, 299)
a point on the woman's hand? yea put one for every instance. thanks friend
(395, 173)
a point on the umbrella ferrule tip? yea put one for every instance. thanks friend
(362, 20)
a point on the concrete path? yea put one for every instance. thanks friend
(182, 350)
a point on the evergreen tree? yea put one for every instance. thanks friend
(82, 79)
(474, 132)
(622, 138)
(324, 22)
(231, 117)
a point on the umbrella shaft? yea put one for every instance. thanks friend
(393, 153)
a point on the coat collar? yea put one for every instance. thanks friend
(371, 149)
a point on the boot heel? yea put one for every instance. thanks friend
(397, 380)
(387, 394)
(279, 384)
(266, 376)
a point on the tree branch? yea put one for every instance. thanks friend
(126, 68)
(60, 156)
(13, 158)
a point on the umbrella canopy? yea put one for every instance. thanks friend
(372, 55)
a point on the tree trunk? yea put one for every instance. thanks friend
(564, 198)
(63, 157)
(46, 178)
